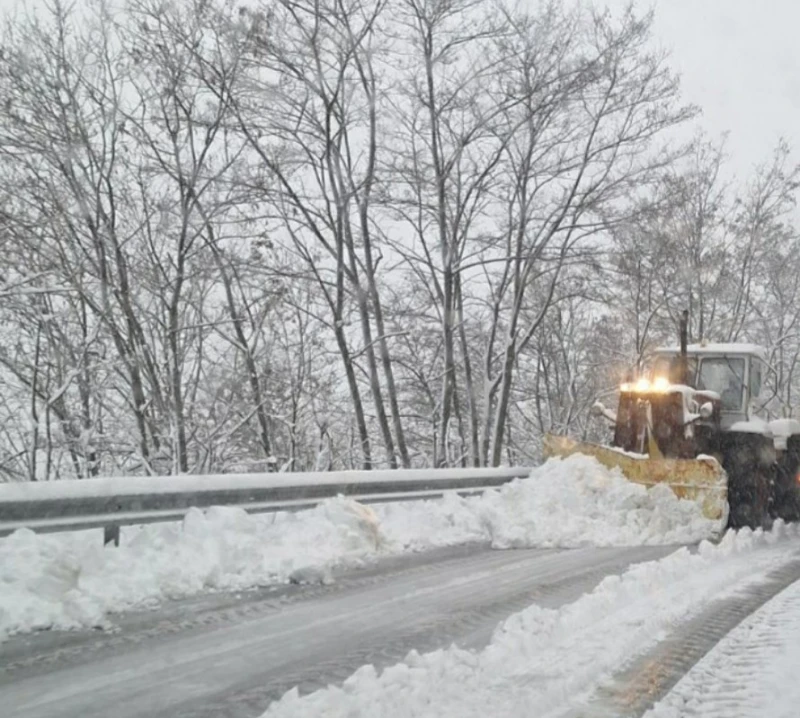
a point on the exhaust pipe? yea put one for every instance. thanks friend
(684, 360)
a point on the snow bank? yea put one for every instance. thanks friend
(551, 661)
(568, 502)
(66, 581)
(578, 501)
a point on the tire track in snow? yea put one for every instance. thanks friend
(651, 677)
(751, 672)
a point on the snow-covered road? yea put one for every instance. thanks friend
(562, 663)
(220, 656)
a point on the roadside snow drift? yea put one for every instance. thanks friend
(71, 580)
(543, 662)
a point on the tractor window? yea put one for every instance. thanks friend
(726, 377)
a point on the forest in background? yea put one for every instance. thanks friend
(331, 234)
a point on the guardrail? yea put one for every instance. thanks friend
(111, 503)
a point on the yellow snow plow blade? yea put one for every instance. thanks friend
(702, 480)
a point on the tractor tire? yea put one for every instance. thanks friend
(787, 488)
(751, 480)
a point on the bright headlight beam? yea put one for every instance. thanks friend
(660, 383)
(643, 385)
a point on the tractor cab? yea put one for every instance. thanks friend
(730, 374)
(687, 399)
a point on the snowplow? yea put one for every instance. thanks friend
(697, 421)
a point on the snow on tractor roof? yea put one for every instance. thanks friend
(724, 349)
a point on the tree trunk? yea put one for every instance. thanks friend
(502, 404)
(176, 379)
(369, 350)
(368, 82)
(355, 394)
(469, 384)
(243, 346)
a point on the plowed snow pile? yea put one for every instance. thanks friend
(571, 502)
(70, 580)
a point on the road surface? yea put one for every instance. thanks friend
(232, 654)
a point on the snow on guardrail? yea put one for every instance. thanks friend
(199, 484)
(91, 503)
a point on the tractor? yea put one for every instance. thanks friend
(698, 421)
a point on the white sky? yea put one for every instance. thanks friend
(740, 61)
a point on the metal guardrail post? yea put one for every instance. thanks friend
(111, 533)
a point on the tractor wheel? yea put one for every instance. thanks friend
(750, 485)
(787, 488)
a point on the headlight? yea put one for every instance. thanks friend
(660, 383)
(642, 385)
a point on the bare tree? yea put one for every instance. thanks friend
(63, 144)
(323, 174)
(569, 131)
